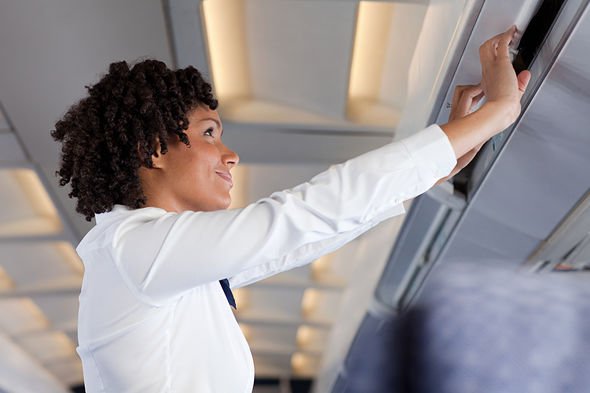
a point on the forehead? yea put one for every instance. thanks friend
(203, 113)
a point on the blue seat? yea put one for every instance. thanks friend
(491, 330)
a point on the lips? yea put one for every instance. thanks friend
(226, 176)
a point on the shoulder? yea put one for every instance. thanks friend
(108, 224)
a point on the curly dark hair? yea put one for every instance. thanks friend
(108, 135)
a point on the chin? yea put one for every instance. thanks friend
(226, 205)
(221, 205)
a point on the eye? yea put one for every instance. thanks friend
(209, 132)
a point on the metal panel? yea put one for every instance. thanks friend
(432, 217)
(569, 243)
(4, 126)
(543, 171)
(10, 150)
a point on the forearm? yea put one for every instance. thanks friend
(472, 130)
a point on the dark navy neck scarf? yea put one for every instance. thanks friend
(226, 289)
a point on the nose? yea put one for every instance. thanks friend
(230, 158)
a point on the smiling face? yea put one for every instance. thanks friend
(196, 178)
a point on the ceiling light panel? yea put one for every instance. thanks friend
(271, 339)
(305, 365)
(48, 346)
(69, 370)
(312, 339)
(3, 121)
(272, 365)
(10, 149)
(325, 270)
(280, 55)
(60, 309)
(6, 283)
(270, 304)
(320, 306)
(21, 316)
(225, 24)
(295, 59)
(385, 39)
(23, 373)
(26, 208)
(297, 277)
(41, 265)
(239, 192)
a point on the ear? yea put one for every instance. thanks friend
(157, 157)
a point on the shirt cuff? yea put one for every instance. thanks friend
(431, 148)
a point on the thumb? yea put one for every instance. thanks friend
(523, 80)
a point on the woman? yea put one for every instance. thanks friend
(144, 155)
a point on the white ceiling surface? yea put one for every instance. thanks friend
(293, 120)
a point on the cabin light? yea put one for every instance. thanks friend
(48, 346)
(299, 362)
(241, 297)
(4, 126)
(312, 339)
(28, 210)
(246, 331)
(304, 336)
(6, 283)
(239, 192)
(304, 364)
(370, 48)
(321, 267)
(309, 303)
(21, 316)
(224, 22)
(70, 256)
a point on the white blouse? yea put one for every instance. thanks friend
(153, 316)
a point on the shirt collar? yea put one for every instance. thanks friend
(100, 217)
(122, 209)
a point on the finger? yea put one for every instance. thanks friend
(471, 98)
(489, 50)
(473, 91)
(504, 40)
(486, 53)
(523, 80)
(457, 94)
(460, 90)
(478, 97)
(466, 101)
(476, 100)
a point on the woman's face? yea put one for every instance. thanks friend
(198, 177)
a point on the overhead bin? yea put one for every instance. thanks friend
(497, 218)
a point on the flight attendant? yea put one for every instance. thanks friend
(144, 155)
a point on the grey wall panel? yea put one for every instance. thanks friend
(10, 150)
(544, 169)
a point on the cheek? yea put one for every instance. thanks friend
(202, 162)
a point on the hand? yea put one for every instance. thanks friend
(464, 101)
(500, 83)
(503, 89)
(465, 98)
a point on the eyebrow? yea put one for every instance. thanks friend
(214, 120)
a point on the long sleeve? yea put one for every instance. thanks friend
(163, 254)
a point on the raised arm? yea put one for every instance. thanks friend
(164, 254)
